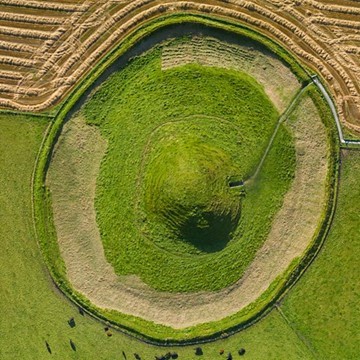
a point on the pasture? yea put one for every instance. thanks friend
(327, 320)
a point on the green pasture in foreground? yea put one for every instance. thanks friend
(323, 307)
(33, 311)
(175, 140)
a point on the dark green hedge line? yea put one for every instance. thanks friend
(46, 234)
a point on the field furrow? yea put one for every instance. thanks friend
(27, 33)
(42, 5)
(313, 30)
(11, 60)
(7, 16)
(7, 45)
(10, 75)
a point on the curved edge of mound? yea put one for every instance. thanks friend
(90, 274)
(279, 82)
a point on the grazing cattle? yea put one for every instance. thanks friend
(71, 322)
(198, 351)
(72, 344)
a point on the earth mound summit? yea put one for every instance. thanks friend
(187, 189)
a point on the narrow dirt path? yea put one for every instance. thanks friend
(282, 118)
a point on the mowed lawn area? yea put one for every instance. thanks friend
(323, 308)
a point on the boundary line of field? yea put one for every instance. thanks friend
(296, 333)
(317, 82)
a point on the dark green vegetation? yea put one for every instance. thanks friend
(175, 139)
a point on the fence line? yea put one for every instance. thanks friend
(331, 104)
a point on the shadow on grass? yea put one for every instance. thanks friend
(208, 232)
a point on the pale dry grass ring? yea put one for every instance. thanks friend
(73, 180)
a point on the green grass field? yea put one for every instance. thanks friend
(323, 308)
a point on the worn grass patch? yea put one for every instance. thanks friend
(242, 54)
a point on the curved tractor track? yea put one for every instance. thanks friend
(46, 48)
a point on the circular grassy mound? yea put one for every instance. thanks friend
(176, 140)
(187, 188)
(198, 171)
